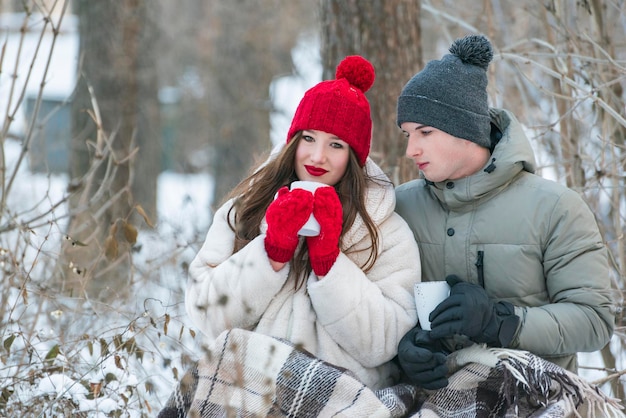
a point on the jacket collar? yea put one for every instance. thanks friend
(512, 155)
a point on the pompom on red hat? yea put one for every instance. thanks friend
(340, 107)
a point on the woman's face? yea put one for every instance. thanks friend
(321, 157)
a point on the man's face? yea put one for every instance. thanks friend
(437, 154)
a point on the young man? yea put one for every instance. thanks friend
(523, 255)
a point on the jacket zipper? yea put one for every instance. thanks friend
(479, 268)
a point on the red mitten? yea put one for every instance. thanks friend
(324, 248)
(285, 216)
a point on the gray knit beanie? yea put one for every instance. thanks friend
(451, 94)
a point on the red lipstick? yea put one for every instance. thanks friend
(315, 171)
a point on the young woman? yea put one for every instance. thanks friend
(346, 295)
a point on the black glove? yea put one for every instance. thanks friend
(469, 311)
(423, 359)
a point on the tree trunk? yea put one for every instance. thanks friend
(108, 120)
(147, 166)
(387, 33)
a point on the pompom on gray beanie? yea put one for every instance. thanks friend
(451, 94)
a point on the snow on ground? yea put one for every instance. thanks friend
(184, 216)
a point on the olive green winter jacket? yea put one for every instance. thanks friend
(526, 240)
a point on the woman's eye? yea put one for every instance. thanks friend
(307, 138)
(336, 145)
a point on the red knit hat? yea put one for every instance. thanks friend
(340, 107)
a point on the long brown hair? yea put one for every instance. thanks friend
(253, 195)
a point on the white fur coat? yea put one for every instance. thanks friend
(350, 318)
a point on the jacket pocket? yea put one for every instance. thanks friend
(480, 271)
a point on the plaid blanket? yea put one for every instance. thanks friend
(253, 375)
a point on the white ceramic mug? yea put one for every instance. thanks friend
(311, 228)
(427, 296)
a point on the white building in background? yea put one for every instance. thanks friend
(32, 70)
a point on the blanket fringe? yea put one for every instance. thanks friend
(546, 383)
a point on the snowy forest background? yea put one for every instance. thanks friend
(125, 122)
